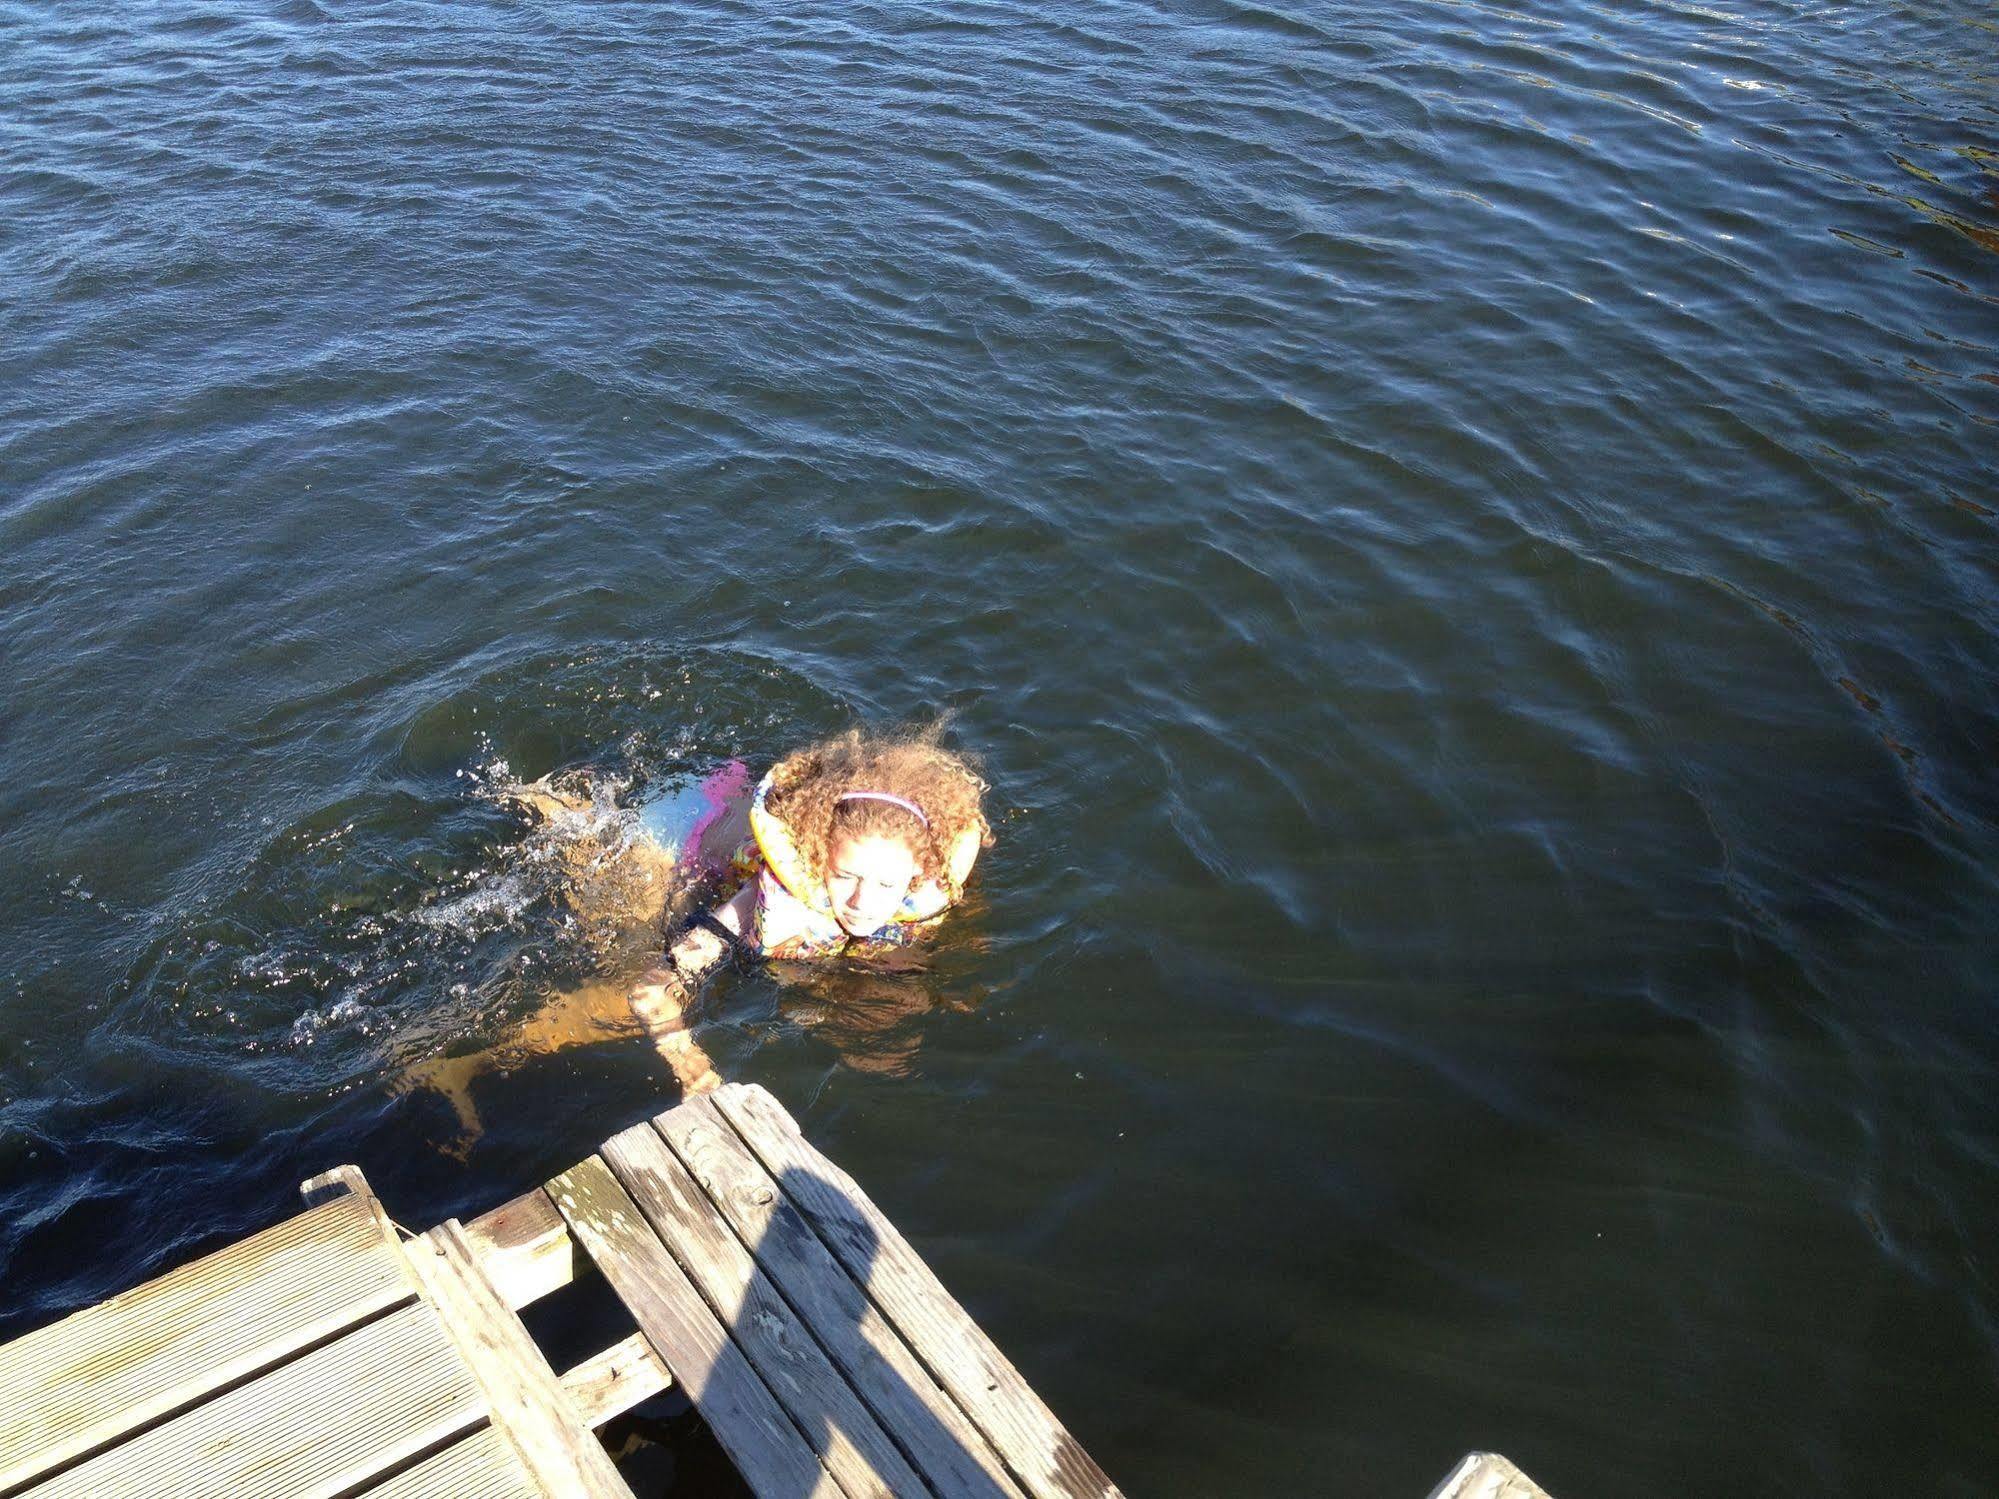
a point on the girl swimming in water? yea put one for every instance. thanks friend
(858, 843)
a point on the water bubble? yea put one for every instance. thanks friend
(309, 1026)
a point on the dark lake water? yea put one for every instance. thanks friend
(1463, 536)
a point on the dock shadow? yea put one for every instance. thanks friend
(912, 1407)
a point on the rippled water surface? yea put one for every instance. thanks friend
(1464, 537)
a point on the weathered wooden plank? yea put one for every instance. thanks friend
(319, 1426)
(943, 1445)
(610, 1383)
(837, 1426)
(342, 1181)
(752, 1428)
(124, 1363)
(1047, 1460)
(558, 1450)
(524, 1248)
(480, 1466)
(1487, 1475)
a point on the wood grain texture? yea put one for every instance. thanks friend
(329, 1421)
(1048, 1462)
(524, 1248)
(523, 1397)
(479, 1466)
(950, 1453)
(1487, 1475)
(838, 1427)
(610, 1383)
(117, 1366)
(746, 1419)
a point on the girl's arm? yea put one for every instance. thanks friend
(665, 996)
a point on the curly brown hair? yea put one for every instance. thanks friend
(806, 788)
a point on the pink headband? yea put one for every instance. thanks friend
(882, 796)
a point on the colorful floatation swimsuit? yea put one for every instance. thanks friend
(790, 898)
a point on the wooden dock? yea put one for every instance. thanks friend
(331, 1356)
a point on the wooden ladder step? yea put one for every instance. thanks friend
(1046, 1460)
(80, 1383)
(325, 1358)
(706, 1363)
(838, 1427)
(955, 1459)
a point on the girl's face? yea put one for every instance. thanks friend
(866, 879)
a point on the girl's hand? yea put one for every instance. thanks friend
(664, 999)
(661, 1002)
